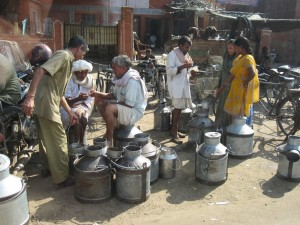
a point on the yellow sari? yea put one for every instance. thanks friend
(240, 99)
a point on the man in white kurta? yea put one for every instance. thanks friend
(77, 96)
(178, 64)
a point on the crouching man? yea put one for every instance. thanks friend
(127, 104)
(77, 97)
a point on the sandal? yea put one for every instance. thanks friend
(181, 135)
(176, 140)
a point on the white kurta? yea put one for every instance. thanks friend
(178, 84)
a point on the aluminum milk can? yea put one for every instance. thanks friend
(151, 151)
(185, 117)
(133, 176)
(13, 196)
(288, 159)
(167, 163)
(93, 176)
(239, 138)
(162, 117)
(76, 150)
(200, 125)
(211, 162)
(124, 134)
(102, 142)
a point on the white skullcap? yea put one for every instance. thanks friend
(81, 65)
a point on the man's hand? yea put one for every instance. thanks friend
(97, 95)
(82, 96)
(73, 118)
(28, 105)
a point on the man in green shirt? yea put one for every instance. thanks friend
(44, 98)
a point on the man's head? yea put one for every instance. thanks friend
(120, 65)
(40, 53)
(78, 47)
(80, 70)
(184, 44)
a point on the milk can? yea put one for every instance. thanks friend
(13, 196)
(168, 163)
(133, 176)
(93, 176)
(199, 125)
(76, 150)
(114, 153)
(150, 150)
(239, 138)
(211, 160)
(162, 115)
(288, 159)
(101, 141)
(124, 134)
(185, 117)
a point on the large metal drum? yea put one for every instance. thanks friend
(167, 163)
(124, 134)
(13, 196)
(185, 117)
(162, 117)
(288, 159)
(133, 176)
(101, 141)
(211, 160)
(93, 176)
(239, 138)
(199, 125)
(151, 151)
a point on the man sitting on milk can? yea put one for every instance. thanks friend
(77, 96)
(127, 104)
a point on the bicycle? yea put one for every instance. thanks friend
(160, 81)
(283, 104)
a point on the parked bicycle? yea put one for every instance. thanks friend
(104, 78)
(281, 102)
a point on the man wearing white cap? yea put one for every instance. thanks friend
(77, 96)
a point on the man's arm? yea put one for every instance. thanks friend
(28, 104)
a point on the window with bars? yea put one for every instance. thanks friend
(88, 19)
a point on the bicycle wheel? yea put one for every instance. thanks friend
(273, 93)
(286, 114)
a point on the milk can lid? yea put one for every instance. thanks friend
(4, 162)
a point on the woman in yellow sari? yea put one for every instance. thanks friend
(244, 89)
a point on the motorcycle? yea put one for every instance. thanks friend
(18, 134)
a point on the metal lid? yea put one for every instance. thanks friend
(4, 162)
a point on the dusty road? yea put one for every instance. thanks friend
(253, 194)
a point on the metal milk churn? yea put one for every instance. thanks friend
(124, 134)
(93, 177)
(167, 163)
(133, 176)
(76, 150)
(288, 159)
(211, 160)
(239, 138)
(13, 196)
(162, 117)
(199, 125)
(101, 141)
(151, 151)
(185, 117)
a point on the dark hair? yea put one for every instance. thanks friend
(184, 39)
(76, 41)
(244, 43)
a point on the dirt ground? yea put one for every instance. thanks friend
(252, 194)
